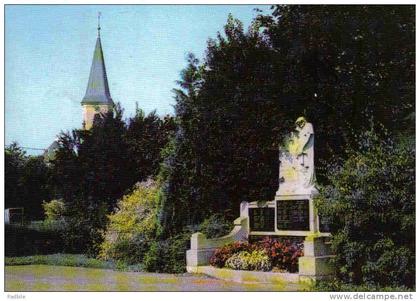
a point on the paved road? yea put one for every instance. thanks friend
(60, 278)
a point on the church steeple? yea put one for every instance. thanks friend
(97, 98)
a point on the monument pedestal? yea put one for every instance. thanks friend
(315, 264)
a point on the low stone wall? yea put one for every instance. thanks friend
(246, 276)
(202, 248)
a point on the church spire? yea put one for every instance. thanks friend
(97, 91)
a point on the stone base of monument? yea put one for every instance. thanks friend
(247, 276)
(315, 264)
(260, 220)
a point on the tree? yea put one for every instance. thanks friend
(145, 136)
(228, 123)
(26, 181)
(371, 207)
(14, 162)
(93, 169)
(343, 66)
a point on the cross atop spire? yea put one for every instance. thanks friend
(99, 24)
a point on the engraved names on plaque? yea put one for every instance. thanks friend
(293, 215)
(262, 219)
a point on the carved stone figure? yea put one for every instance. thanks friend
(296, 168)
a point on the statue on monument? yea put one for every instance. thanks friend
(296, 166)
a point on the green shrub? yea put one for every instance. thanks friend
(54, 209)
(336, 285)
(370, 204)
(132, 227)
(257, 260)
(82, 232)
(23, 240)
(75, 260)
(168, 256)
(215, 226)
(47, 225)
(130, 251)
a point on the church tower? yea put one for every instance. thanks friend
(97, 99)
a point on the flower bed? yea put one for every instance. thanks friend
(265, 255)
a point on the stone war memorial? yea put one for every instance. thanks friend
(291, 215)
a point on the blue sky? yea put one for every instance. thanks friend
(49, 50)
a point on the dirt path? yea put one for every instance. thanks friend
(60, 278)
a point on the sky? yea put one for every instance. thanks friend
(49, 49)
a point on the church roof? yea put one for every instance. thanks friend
(49, 153)
(97, 91)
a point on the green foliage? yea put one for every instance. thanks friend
(370, 204)
(74, 260)
(26, 181)
(168, 256)
(54, 210)
(47, 225)
(28, 240)
(146, 136)
(83, 227)
(340, 66)
(133, 225)
(215, 226)
(223, 145)
(93, 169)
(336, 285)
(257, 260)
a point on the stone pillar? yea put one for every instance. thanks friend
(315, 264)
(313, 217)
(199, 254)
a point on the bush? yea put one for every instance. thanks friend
(54, 210)
(168, 256)
(215, 226)
(129, 251)
(336, 285)
(370, 204)
(75, 260)
(221, 255)
(83, 227)
(47, 225)
(132, 227)
(21, 241)
(284, 254)
(257, 260)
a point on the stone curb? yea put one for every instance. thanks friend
(245, 276)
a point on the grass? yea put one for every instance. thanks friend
(74, 260)
(64, 278)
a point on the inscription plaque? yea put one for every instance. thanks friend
(293, 215)
(261, 219)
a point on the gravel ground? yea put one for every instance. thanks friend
(44, 278)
